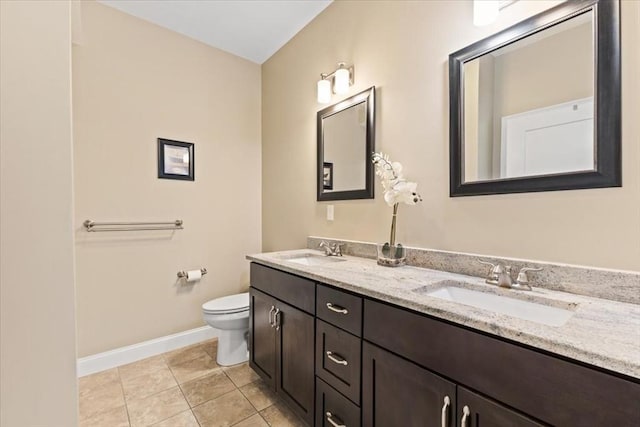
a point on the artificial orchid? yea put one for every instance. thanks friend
(396, 188)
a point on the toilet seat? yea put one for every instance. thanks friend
(227, 305)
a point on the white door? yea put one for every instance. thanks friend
(548, 140)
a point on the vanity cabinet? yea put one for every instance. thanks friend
(281, 338)
(340, 359)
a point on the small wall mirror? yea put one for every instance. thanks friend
(536, 107)
(345, 143)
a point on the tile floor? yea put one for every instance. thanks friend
(181, 388)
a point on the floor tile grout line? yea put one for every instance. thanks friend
(103, 411)
(194, 417)
(246, 418)
(188, 360)
(124, 397)
(207, 401)
(247, 397)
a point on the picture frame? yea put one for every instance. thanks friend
(327, 175)
(176, 160)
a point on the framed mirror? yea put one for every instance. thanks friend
(345, 143)
(536, 107)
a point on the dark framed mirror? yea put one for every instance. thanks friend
(537, 107)
(346, 135)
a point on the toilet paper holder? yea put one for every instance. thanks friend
(183, 274)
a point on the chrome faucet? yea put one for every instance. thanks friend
(500, 275)
(331, 249)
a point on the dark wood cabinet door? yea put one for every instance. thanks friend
(295, 356)
(396, 392)
(262, 336)
(482, 412)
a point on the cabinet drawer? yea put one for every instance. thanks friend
(297, 291)
(332, 405)
(338, 359)
(553, 390)
(340, 309)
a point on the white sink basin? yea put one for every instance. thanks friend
(526, 310)
(313, 259)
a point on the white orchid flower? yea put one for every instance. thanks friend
(396, 188)
(407, 193)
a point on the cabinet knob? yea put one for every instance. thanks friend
(334, 421)
(466, 412)
(336, 358)
(337, 308)
(445, 410)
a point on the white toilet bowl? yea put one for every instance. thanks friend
(230, 316)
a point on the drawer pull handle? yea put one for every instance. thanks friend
(445, 408)
(336, 358)
(465, 414)
(276, 319)
(271, 316)
(337, 308)
(335, 422)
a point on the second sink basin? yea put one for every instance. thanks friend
(313, 259)
(526, 310)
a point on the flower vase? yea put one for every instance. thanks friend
(391, 255)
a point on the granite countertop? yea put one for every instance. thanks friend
(602, 333)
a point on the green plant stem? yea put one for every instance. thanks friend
(392, 238)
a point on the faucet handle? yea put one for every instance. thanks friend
(494, 274)
(337, 249)
(487, 263)
(522, 282)
(326, 246)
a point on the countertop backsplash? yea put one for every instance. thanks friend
(615, 285)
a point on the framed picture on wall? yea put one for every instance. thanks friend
(327, 176)
(175, 160)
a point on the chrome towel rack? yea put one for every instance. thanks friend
(94, 226)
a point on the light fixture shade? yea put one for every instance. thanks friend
(341, 82)
(485, 12)
(324, 91)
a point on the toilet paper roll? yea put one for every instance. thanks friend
(193, 275)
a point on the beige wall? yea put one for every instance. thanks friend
(402, 48)
(134, 82)
(566, 74)
(345, 136)
(37, 305)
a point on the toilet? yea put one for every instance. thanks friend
(230, 316)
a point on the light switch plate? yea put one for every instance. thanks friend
(329, 212)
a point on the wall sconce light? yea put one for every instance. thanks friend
(486, 12)
(337, 82)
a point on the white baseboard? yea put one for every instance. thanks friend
(131, 353)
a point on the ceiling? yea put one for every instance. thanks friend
(251, 29)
